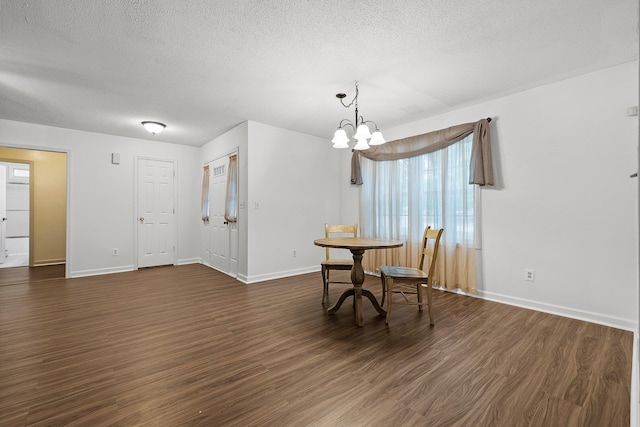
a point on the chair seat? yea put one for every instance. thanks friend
(403, 272)
(338, 262)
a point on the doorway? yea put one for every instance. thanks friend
(220, 237)
(45, 225)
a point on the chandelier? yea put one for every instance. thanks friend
(360, 127)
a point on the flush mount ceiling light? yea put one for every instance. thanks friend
(360, 127)
(154, 127)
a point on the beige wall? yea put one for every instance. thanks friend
(48, 182)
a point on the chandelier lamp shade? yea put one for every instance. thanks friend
(362, 133)
(154, 127)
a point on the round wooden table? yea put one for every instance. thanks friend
(357, 246)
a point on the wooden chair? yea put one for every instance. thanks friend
(409, 281)
(335, 264)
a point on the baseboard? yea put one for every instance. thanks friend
(587, 316)
(99, 271)
(49, 262)
(635, 397)
(277, 275)
(124, 268)
(189, 261)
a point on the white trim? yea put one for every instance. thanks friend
(280, 274)
(247, 280)
(100, 271)
(635, 403)
(228, 153)
(68, 260)
(189, 261)
(587, 316)
(49, 263)
(122, 269)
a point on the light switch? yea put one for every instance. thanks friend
(115, 158)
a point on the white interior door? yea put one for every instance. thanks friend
(156, 213)
(3, 213)
(218, 226)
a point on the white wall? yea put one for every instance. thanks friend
(288, 189)
(295, 180)
(101, 195)
(563, 203)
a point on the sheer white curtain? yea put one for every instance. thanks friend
(230, 204)
(399, 198)
(204, 200)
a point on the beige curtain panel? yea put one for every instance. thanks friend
(456, 268)
(480, 168)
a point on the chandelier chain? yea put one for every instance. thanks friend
(355, 99)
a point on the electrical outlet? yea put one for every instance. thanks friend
(295, 253)
(114, 252)
(530, 274)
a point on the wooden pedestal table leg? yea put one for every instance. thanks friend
(338, 303)
(357, 278)
(367, 293)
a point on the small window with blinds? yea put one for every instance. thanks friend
(219, 171)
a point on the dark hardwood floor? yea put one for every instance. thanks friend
(188, 346)
(15, 275)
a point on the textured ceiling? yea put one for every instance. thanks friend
(203, 66)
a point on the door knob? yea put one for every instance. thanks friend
(4, 219)
(141, 219)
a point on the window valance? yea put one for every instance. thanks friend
(480, 168)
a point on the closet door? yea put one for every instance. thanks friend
(156, 213)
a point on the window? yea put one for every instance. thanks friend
(399, 198)
(19, 173)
